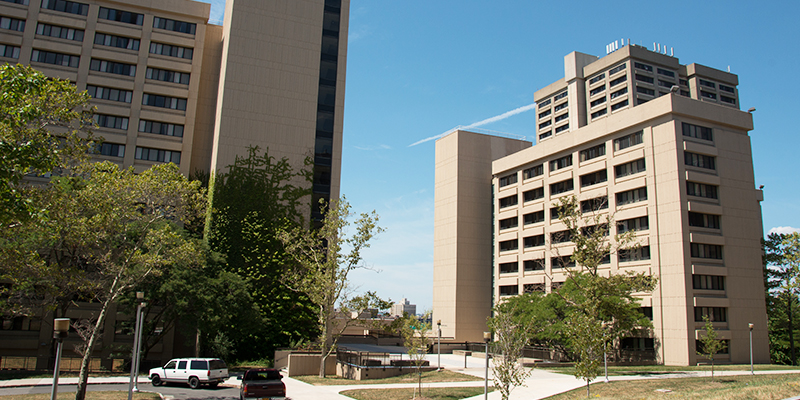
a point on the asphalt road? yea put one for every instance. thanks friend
(177, 392)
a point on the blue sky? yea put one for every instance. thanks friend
(418, 68)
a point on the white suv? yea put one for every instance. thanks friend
(193, 371)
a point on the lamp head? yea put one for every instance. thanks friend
(751, 109)
(139, 296)
(439, 322)
(750, 325)
(487, 336)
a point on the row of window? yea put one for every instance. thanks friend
(111, 67)
(74, 7)
(641, 253)
(142, 153)
(158, 128)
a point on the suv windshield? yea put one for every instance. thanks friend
(217, 364)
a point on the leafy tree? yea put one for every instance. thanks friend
(604, 309)
(257, 197)
(511, 336)
(416, 340)
(547, 315)
(781, 272)
(44, 124)
(324, 258)
(710, 345)
(108, 229)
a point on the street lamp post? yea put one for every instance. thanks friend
(133, 385)
(60, 331)
(486, 337)
(439, 346)
(750, 325)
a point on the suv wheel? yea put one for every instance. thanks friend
(194, 383)
(156, 380)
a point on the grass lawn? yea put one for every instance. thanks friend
(90, 396)
(427, 377)
(762, 387)
(405, 394)
(666, 369)
(21, 374)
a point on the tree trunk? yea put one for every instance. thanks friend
(587, 389)
(83, 376)
(791, 325)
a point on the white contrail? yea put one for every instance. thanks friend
(484, 122)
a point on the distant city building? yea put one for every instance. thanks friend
(170, 87)
(403, 306)
(660, 146)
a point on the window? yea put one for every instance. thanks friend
(685, 93)
(508, 268)
(617, 81)
(597, 102)
(699, 160)
(644, 90)
(9, 51)
(594, 178)
(665, 72)
(562, 117)
(597, 90)
(112, 67)
(615, 107)
(12, 24)
(599, 113)
(630, 168)
(561, 262)
(545, 124)
(599, 229)
(665, 84)
(695, 131)
(544, 103)
(25, 2)
(706, 83)
(710, 251)
(534, 265)
(508, 201)
(560, 106)
(111, 150)
(596, 78)
(708, 95)
(160, 128)
(683, 82)
(619, 93)
(533, 241)
(633, 224)
(595, 204)
(510, 290)
(533, 172)
(726, 99)
(627, 141)
(533, 218)
(648, 313)
(545, 113)
(59, 32)
(508, 180)
(645, 79)
(631, 196)
(562, 128)
(708, 282)
(534, 287)
(111, 121)
(616, 69)
(167, 76)
(641, 101)
(144, 153)
(560, 163)
(9, 323)
(561, 236)
(66, 6)
(173, 25)
(116, 41)
(704, 220)
(174, 103)
(49, 57)
(726, 88)
(593, 152)
(714, 314)
(509, 223)
(555, 212)
(641, 66)
(560, 96)
(533, 194)
(545, 135)
(104, 93)
(121, 16)
(635, 254)
(561, 187)
(509, 245)
(701, 190)
(171, 50)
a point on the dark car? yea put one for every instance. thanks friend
(262, 383)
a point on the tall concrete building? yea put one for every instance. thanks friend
(660, 147)
(171, 87)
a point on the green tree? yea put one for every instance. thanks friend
(415, 332)
(781, 272)
(511, 336)
(710, 345)
(45, 123)
(257, 197)
(325, 257)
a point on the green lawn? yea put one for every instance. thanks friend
(665, 369)
(90, 396)
(405, 394)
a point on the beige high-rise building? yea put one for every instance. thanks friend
(171, 87)
(660, 147)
